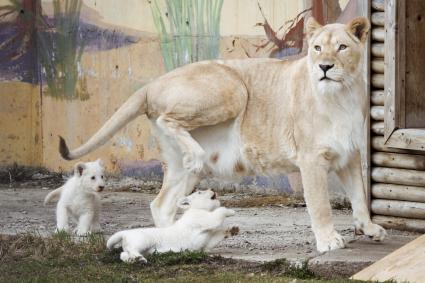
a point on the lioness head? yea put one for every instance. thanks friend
(335, 52)
(206, 200)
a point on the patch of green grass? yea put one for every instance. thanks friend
(60, 258)
(172, 258)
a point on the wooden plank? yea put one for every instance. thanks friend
(378, 50)
(378, 81)
(378, 65)
(390, 71)
(378, 128)
(378, 5)
(377, 98)
(398, 176)
(406, 209)
(400, 223)
(403, 265)
(414, 66)
(378, 144)
(377, 113)
(398, 192)
(366, 163)
(378, 18)
(408, 139)
(399, 160)
(378, 34)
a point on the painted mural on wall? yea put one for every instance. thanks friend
(60, 49)
(189, 30)
(47, 47)
(18, 52)
(289, 38)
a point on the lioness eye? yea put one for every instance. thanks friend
(342, 47)
(317, 48)
(101, 176)
(93, 177)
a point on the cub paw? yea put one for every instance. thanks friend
(127, 257)
(374, 231)
(330, 242)
(234, 231)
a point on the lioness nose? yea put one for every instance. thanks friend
(326, 67)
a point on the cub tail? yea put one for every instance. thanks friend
(115, 241)
(53, 195)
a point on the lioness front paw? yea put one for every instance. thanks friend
(330, 242)
(374, 231)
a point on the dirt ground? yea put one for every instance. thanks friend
(277, 229)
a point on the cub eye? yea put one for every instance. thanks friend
(317, 48)
(93, 177)
(342, 47)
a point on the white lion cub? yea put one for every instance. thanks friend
(79, 198)
(199, 228)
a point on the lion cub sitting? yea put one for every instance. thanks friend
(79, 198)
(199, 228)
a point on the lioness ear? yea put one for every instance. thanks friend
(359, 27)
(183, 203)
(79, 168)
(311, 26)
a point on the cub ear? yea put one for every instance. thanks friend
(100, 162)
(79, 168)
(311, 26)
(183, 203)
(359, 27)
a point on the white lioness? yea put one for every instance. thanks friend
(261, 116)
(199, 228)
(79, 198)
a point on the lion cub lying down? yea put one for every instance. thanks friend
(79, 198)
(199, 228)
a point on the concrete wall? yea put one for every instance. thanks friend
(83, 58)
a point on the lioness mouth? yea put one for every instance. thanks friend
(327, 78)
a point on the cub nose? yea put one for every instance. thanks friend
(326, 67)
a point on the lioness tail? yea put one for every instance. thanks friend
(133, 107)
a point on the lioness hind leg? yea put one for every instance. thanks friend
(314, 178)
(352, 180)
(193, 154)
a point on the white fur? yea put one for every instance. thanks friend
(199, 228)
(79, 198)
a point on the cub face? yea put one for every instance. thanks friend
(91, 175)
(335, 52)
(206, 200)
